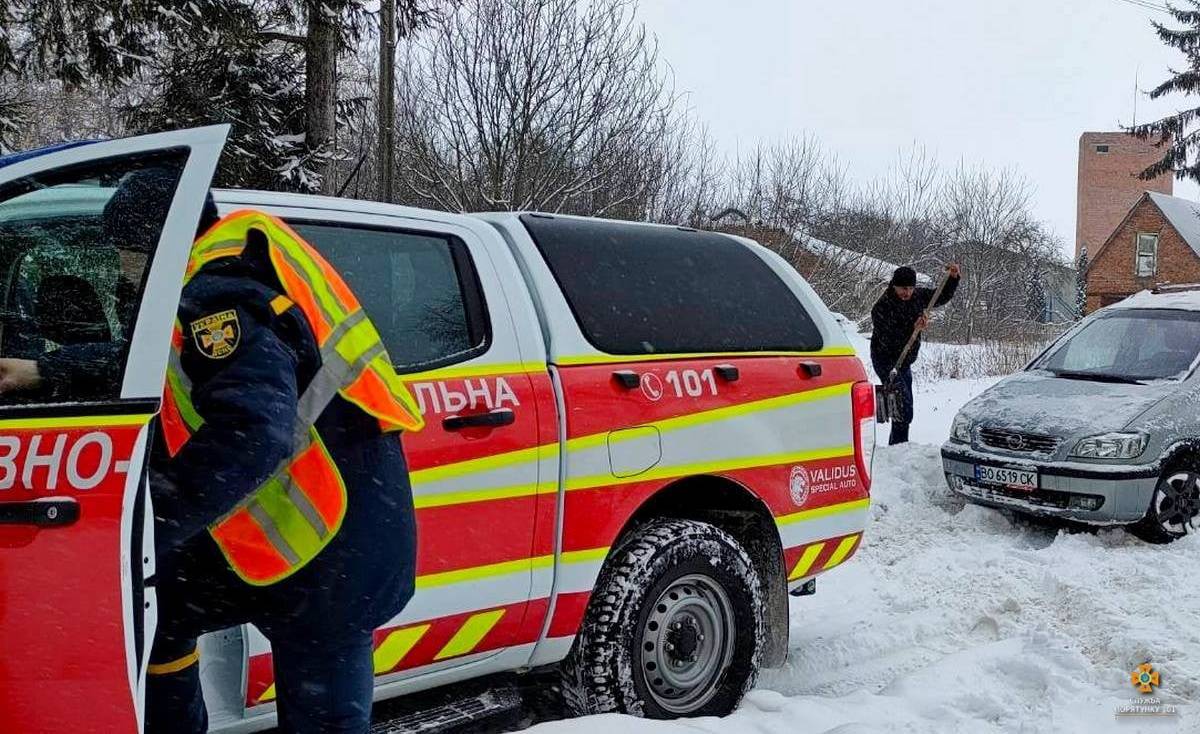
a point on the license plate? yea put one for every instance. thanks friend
(1012, 478)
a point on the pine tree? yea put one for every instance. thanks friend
(1081, 267)
(14, 111)
(1177, 134)
(268, 66)
(1035, 297)
(217, 66)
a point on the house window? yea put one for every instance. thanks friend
(1147, 254)
(1101, 148)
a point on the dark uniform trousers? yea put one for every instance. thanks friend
(320, 620)
(321, 685)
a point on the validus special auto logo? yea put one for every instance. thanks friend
(803, 483)
(798, 485)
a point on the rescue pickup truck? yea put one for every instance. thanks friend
(639, 439)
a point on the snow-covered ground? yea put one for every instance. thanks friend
(953, 618)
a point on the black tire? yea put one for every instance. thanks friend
(611, 667)
(1173, 507)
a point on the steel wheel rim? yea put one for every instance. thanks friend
(687, 642)
(1177, 503)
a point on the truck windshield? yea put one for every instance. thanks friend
(1128, 345)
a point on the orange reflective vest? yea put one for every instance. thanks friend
(284, 523)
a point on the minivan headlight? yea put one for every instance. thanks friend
(961, 429)
(1111, 446)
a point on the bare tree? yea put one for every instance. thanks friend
(796, 197)
(689, 187)
(986, 224)
(536, 104)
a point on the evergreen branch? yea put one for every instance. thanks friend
(282, 36)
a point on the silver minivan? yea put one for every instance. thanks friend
(1103, 427)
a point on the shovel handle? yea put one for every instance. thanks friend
(912, 338)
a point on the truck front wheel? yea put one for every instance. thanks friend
(674, 627)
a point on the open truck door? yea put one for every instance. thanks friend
(93, 245)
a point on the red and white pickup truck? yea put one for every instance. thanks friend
(639, 439)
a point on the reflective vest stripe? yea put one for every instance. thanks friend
(304, 504)
(226, 248)
(334, 376)
(240, 537)
(181, 386)
(306, 301)
(315, 465)
(298, 510)
(368, 389)
(175, 432)
(323, 298)
(270, 527)
(179, 417)
(286, 521)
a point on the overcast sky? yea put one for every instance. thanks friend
(1010, 83)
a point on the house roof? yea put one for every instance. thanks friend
(859, 262)
(1184, 216)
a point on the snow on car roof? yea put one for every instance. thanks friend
(1188, 300)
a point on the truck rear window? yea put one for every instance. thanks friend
(649, 290)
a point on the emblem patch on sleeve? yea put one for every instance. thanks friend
(217, 335)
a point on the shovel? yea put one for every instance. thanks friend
(887, 397)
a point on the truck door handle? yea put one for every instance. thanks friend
(810, 369)
(727, 372)
(48, 513)
(628, 379)
(494, 419)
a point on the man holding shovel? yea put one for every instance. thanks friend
(898, 316)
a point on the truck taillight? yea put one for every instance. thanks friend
(862, 399)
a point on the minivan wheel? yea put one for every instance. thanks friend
(1173, 508)
(675, 626)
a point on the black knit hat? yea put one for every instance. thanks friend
(904, 277)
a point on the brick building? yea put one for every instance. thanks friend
(1108, 184)
(1157, 242)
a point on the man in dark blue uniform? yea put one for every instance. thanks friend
(321, 618)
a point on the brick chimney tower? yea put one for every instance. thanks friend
(1109, 164)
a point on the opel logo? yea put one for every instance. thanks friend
(1016, 443)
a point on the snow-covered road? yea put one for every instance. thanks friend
(953, 618)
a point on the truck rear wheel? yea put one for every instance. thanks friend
(674, 627)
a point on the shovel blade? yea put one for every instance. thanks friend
(884, 402)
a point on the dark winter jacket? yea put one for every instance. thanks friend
(249, 400)
(892, 322)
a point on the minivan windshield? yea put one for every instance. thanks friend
(1128, 345)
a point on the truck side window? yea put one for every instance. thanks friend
(420, 289)
(75, 244)
(636, 289)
